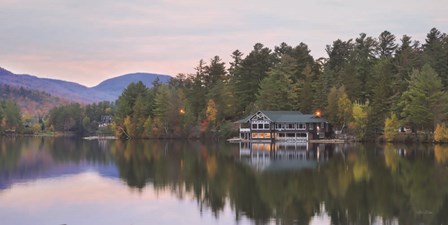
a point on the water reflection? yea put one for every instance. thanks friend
(260, 183)
(285, 155)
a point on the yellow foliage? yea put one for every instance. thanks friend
(211, 111)
(36, 128)
(391, 126)
(441, 133)
(359, 113)
(148, 127)
(129, 126)
(344, 108)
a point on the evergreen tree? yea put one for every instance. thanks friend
(386, 45)
(277, 90)
(322, 87)
(306, 91)
(126, 102)
(407, 58)
(253, 70)
(365, 51)
(382, 96)
(214, 72)
(162, 105)
(133, 108)
(436, 53)
(425, 102)
(236, 63)
(67, 118)
(339, 54)
(10, 115)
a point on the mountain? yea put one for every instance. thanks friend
(58, 88)
(108, 90)
(114, 87)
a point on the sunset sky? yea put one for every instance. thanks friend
(89, 41)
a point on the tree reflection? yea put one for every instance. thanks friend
(358, 185)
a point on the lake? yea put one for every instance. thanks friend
(71, 181)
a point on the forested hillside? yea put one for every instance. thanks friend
(30, 102)
(362, 82)
(108, 90)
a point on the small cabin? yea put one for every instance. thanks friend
(268, 126)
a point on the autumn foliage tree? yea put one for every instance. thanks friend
(357, 85)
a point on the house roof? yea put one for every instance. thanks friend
(286, 116)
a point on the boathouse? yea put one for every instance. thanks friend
(283, 126)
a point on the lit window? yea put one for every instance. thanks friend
(261, 135)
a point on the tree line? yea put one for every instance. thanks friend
(363, 83)
(365, 87)
(10, 116)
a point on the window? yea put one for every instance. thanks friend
(254, 126)
(301, 126)
(311, 126)
(290, 135)
(282, 135)
(261, 135)
(266, 126)
(290, 126)
(260, 126)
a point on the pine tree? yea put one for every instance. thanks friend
(253, 70)
(277, 90)
(306, 91)
(436, 53)
(386, 45)
(381, 96)
(425, 102)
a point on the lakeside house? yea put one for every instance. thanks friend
(289, 126)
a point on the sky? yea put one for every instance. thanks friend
(88, 41)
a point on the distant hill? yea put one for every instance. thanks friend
(31, 102)
(114, 87)
(108, 90)
(58, 88)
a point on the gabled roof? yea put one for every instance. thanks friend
(286, 116)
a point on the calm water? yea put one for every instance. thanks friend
(66, 181)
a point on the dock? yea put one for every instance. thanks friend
(327, 141)
(99, 138)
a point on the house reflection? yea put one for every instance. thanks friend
(285, 155)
